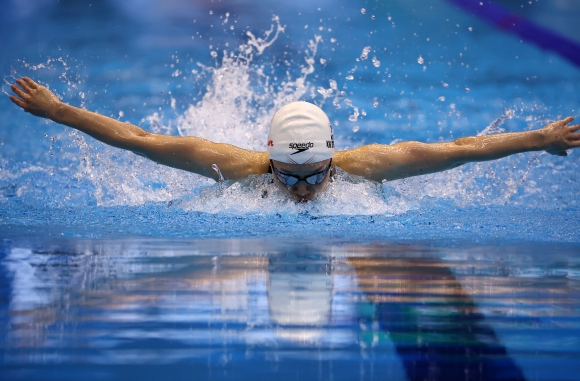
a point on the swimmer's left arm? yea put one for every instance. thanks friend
(390, 162)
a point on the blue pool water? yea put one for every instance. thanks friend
(113, 267)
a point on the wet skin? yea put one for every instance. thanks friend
(302, 191)
(376, 162)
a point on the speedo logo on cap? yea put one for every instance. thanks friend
(300, 147)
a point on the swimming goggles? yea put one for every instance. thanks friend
(313, 179)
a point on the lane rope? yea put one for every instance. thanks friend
(527, 30)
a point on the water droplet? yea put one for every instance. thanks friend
(365, 53)
(322, 61)
(355, 129)
(211, 12)
(420, 60)
(373, 17)
(363, 11)
(444, 84)
(441, 99)
(349, 78)
(219, 173)
(470, 29)
(121, 114)
(384, 181)
(467, 89)
(376, 62)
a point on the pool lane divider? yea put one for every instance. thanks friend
(507, 21)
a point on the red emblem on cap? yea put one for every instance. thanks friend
(270, 143)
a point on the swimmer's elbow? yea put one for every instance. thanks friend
(460, 151)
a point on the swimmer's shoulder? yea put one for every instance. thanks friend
(350, 157)
(357, 161)
(254, 163)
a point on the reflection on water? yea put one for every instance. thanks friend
(258, 309)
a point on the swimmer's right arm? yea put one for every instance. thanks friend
(189, 153)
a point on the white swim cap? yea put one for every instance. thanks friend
(300, 133)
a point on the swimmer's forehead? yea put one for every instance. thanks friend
(301, 168)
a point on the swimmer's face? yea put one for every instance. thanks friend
(302, 190)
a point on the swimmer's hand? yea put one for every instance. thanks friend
(34, 98)
(560, 136)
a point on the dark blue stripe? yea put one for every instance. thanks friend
(526, 29)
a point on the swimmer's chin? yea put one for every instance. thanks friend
(303, 200)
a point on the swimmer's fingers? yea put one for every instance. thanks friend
(25, 86)
(574, 128)
(18, 91)
(30, 83)
(567, 120)
(19, 102)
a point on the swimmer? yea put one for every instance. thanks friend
(300, 152)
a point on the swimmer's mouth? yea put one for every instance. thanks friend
(303, 200)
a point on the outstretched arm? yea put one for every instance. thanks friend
(390, 162)
(188, 153)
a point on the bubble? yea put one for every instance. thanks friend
(420, 60)
(349, 78)
(322, 61)
(355, 129)
(441, 99)
(363, 11)
(376, 62)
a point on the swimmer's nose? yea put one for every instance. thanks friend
(301, 189)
